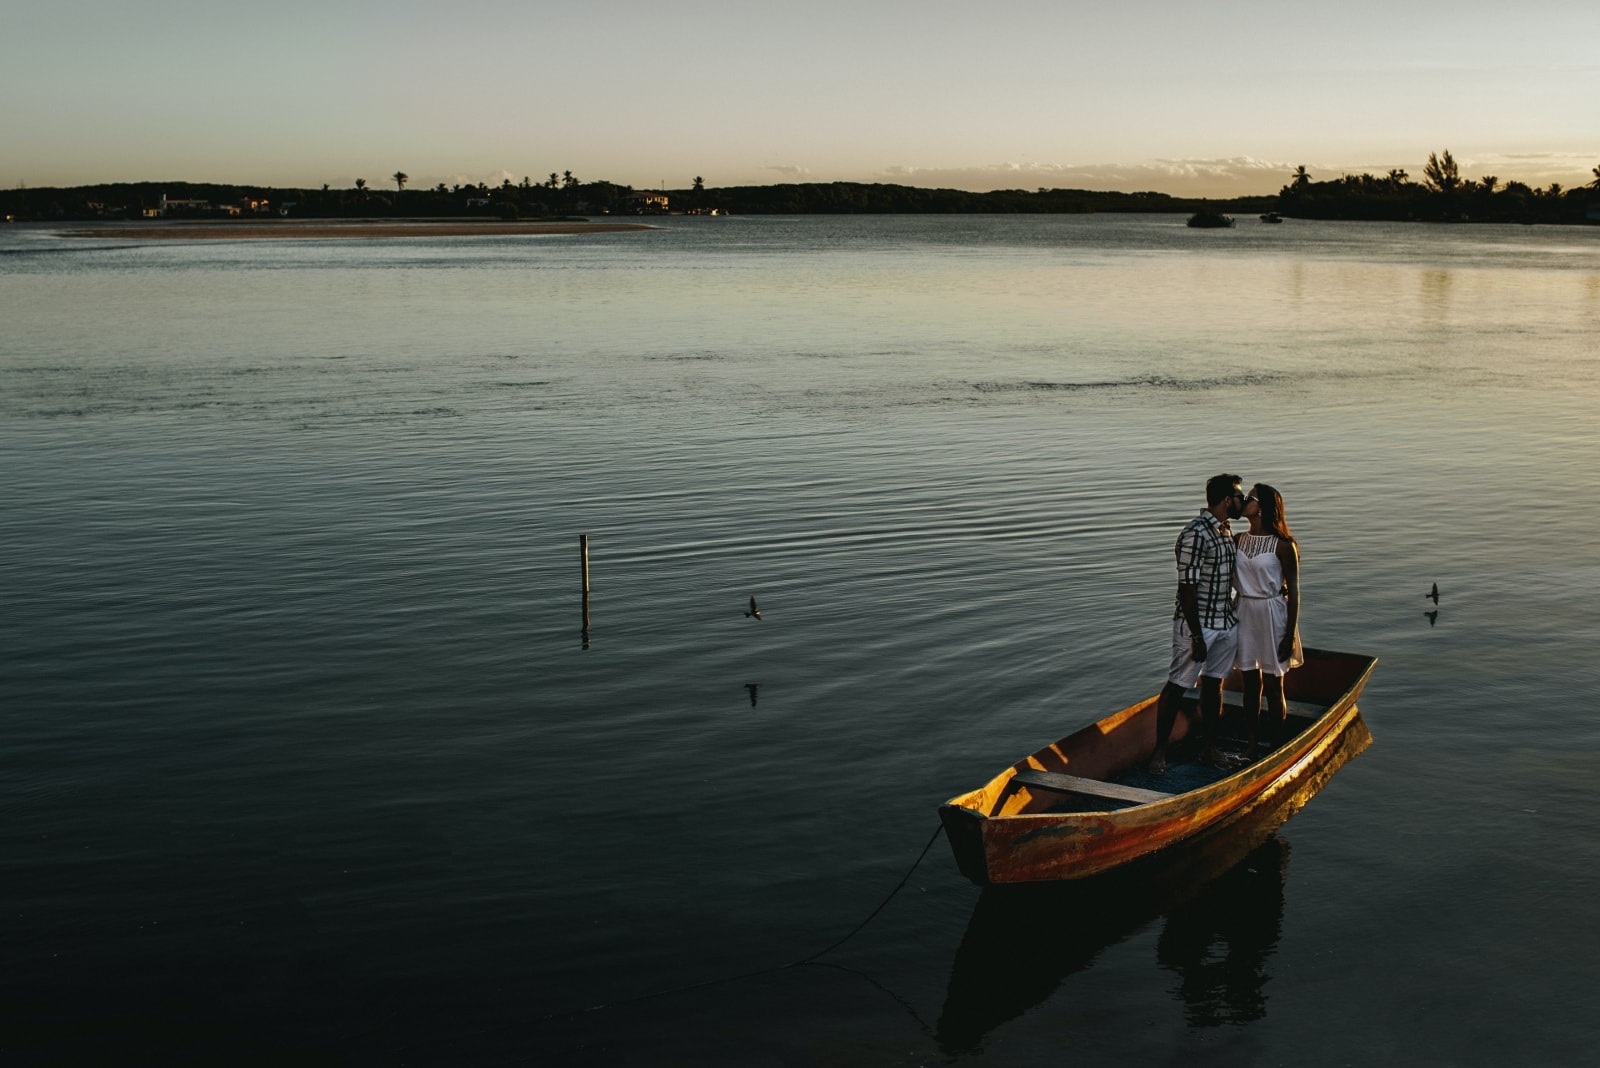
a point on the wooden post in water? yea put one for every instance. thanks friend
(583, 554)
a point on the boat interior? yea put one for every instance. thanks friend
(1102, 767)
(1185, 770)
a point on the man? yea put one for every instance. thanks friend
(1204, 627)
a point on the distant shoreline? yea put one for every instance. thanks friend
(349, 230)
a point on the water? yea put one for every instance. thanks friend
(305, 757)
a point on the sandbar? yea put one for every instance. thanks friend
(325, 230)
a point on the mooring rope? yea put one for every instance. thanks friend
(812, 959)
(881, 905)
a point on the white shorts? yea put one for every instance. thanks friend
(1221, 647)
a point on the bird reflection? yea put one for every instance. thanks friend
(1433, 617)
(1023, 941)
(752, 687)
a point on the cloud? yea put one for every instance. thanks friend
(792, 171)
(492, 179)
(1226, 176)
(1532, 168)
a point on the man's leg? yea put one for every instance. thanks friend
(1210, 719)
(1167, 708)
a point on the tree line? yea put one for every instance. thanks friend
(559, 195)
(564, 194)
(1443, 195)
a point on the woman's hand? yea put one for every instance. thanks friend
(1286, 648)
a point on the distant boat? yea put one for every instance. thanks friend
(1206, 219)
(1086, 805)
(1271, 217)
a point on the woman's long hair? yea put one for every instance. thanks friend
(1271, 504)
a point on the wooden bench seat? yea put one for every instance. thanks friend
(1073, 784)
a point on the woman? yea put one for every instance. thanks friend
(1267, 575)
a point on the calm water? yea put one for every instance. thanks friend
(305, 758)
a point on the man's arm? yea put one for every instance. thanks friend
(1190, 569)
(1189, 604)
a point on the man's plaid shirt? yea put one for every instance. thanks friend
(1205, 561)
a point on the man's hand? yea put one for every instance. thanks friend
(1197, 650)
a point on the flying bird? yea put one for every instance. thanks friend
(1433, 594)
(754, 611)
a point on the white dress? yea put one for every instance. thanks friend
(1263, 606)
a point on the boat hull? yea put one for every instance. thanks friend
(1000, 835)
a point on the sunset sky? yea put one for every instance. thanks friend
(1212, 99)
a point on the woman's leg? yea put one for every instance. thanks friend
(1277, 710)
(1250, 691)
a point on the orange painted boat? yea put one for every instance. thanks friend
(1085, 805)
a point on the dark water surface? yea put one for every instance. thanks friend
(304, 758)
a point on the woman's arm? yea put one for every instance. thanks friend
(1289, 558)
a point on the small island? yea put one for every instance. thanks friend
(1210, 219)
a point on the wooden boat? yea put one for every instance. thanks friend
(1085, 805)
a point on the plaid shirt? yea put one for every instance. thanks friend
(1205, 561)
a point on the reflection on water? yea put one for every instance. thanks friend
(1434, 299)
(1023, 941)
(1219, 941)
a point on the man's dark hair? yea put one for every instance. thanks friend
(1220, 487)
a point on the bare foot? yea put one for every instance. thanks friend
(1213, 756)
(1157, 765)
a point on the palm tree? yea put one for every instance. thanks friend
(1301, 177)
(554, 180)
(1596, 183)
(1397, 178)
(567, 180)
(700, 183)
(1441, 172)
(400, 178)
(1488, 182)
(361, 183)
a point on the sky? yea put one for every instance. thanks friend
(1216, 99)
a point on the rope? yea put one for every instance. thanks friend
(898, 887)
(812, 959)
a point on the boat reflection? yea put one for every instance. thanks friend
(1223, 903)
